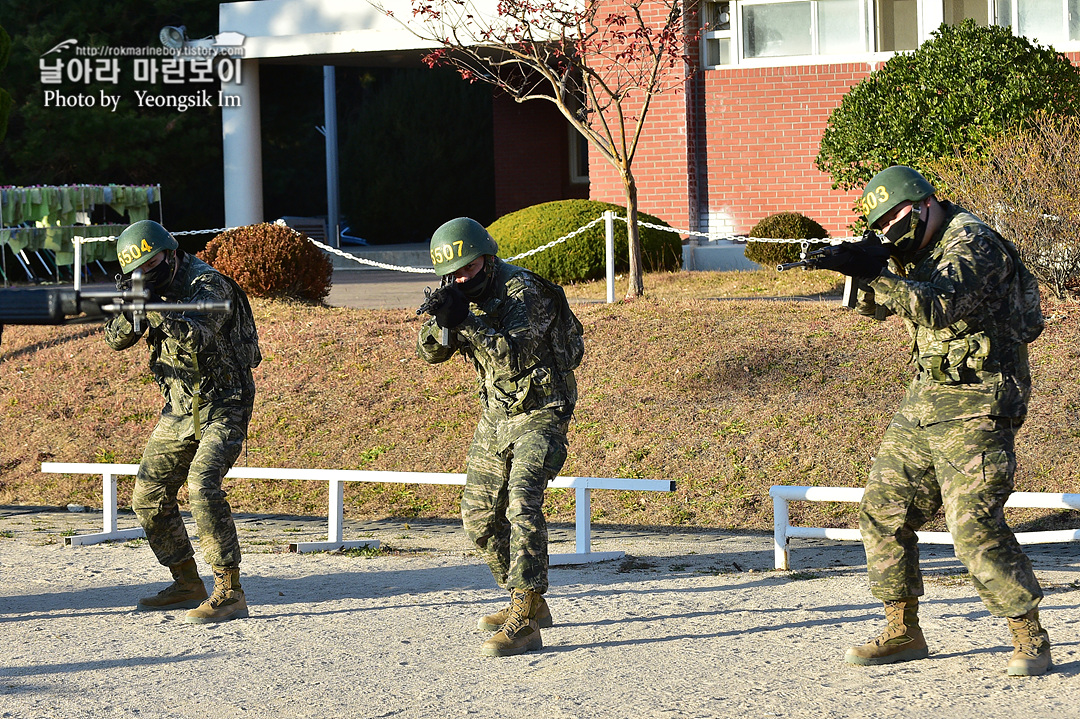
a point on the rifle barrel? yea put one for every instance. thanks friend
(792, 265)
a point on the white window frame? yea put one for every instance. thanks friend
(814, 56)
(930, 14)
(1064, 45)
(736, 33)
(732, 35)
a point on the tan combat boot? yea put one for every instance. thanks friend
(901, 640)
(227, 602)
(186, 591)
(1032, 643)
(494, 622)
(519, 633)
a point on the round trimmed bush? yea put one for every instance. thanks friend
(271, 260)
(783, 226)
(581, 257)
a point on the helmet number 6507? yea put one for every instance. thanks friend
(445, 253)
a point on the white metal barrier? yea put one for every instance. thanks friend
(783, 532)
(337, 478)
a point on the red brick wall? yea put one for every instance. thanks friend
(759, 136)
(759, 131)
(663, 164)
(532, 155)
(763, 127)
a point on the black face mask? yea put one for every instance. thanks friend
(159, 278)
(907, 236)
(475, 287)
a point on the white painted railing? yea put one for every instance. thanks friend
(783, 531)
(337, 478)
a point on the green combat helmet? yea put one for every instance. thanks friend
(457, 243)
(141, 241)
(889, 188)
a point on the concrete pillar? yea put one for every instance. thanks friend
(241, 131)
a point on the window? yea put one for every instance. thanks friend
(817, 27)
(579, 157)
(759, 29)
(956, 11)
(771, 32)
(716, 22)
(1048, 22)
(897, 25)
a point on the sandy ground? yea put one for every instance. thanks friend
(686, 625)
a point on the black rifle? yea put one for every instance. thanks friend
(433, 300)
(812, 259)
(67, 305)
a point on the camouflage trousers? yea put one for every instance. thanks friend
(965, 466)
(502, 505)
(174, 457)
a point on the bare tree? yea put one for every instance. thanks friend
(600, 62)
(1026, 184)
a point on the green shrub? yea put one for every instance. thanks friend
(581, 257)
(270, 260)
(782, 226)
(963, 85)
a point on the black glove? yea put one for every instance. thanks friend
(453, 309)
(864, 259)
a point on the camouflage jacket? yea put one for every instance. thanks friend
(190, 349)
(954, 296)
(506, 337)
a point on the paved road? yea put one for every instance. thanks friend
(688, 625)
(379, 289)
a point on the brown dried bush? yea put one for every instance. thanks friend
(271, 260)
(1025, 184)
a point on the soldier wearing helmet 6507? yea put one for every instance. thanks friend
(524, 342)
(971, 307)
(202, 363)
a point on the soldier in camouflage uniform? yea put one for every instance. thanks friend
(202, 362)
(524, 342)
(971, 308)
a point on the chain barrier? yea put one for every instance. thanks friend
(745, 238)
(564, 238)
(373, 263)
(202, 232)
(803, 242)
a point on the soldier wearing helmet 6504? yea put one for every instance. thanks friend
(524, 342)
(202, 363)
(971, 307)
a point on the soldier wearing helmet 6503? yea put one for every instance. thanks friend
(971, 307)
(524, 342)
(202, 362)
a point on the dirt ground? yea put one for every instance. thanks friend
(685, 625)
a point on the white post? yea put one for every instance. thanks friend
(108, 502)
(336, 516)
(609, 253)
(780, 540)
(851, 293)
(330, 120)
(583, 516)
(241, 134)
(77, 268)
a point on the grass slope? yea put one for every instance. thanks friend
(726, 397)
